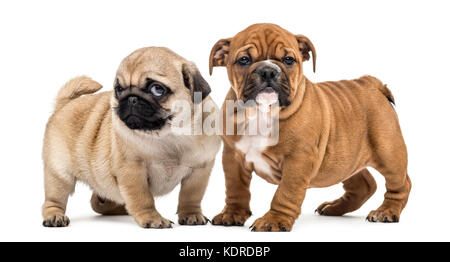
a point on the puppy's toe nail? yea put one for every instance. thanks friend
(395, 218)
(269, 228)
(283, 228)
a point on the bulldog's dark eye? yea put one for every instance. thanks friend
(157, 90)
(288, 60)
(243, 61)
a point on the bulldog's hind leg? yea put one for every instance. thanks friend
(57, 191)
(391, 162)
(358, 189)
(398, 186)
(107, 207)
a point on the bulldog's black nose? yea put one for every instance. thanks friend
(132, 100)
(267, 73)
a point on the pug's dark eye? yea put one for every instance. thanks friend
(118, 89)
(288, 60)
(243, 61)
(157, 90)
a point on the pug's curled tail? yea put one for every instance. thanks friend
(74, 88)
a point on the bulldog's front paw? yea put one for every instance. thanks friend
(152, 220)
(192, 219)
(232, 217)
(273, 221)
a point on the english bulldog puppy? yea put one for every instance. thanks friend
(327, 132)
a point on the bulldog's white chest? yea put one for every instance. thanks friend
(252, 147)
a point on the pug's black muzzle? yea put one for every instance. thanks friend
(138, 113)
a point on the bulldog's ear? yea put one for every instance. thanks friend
(305, 45)
(194, 81)
(219, 54)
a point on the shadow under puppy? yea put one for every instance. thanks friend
(329, 132)
(122, 144)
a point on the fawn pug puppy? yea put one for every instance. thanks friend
(122, 144)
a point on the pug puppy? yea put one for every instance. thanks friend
(122, 144)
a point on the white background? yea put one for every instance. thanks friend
(45, 43)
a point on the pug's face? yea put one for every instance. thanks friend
(148, 82)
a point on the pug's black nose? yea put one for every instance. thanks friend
(267, 73)
(132, 100)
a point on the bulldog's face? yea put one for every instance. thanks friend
(264, 63)
(148, 82)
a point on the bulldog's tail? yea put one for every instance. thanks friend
(387, 93)
(383, 89)
(74, 88)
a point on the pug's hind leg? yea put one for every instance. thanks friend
(358, 189)
(57, 191)
(107, 207)
(192, 190)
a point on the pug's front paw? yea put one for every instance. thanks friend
(56, 220)
(152, 220)
(192, 219)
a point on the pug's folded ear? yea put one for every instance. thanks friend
(194, 81)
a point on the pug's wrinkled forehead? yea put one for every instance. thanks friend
(155, 63)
